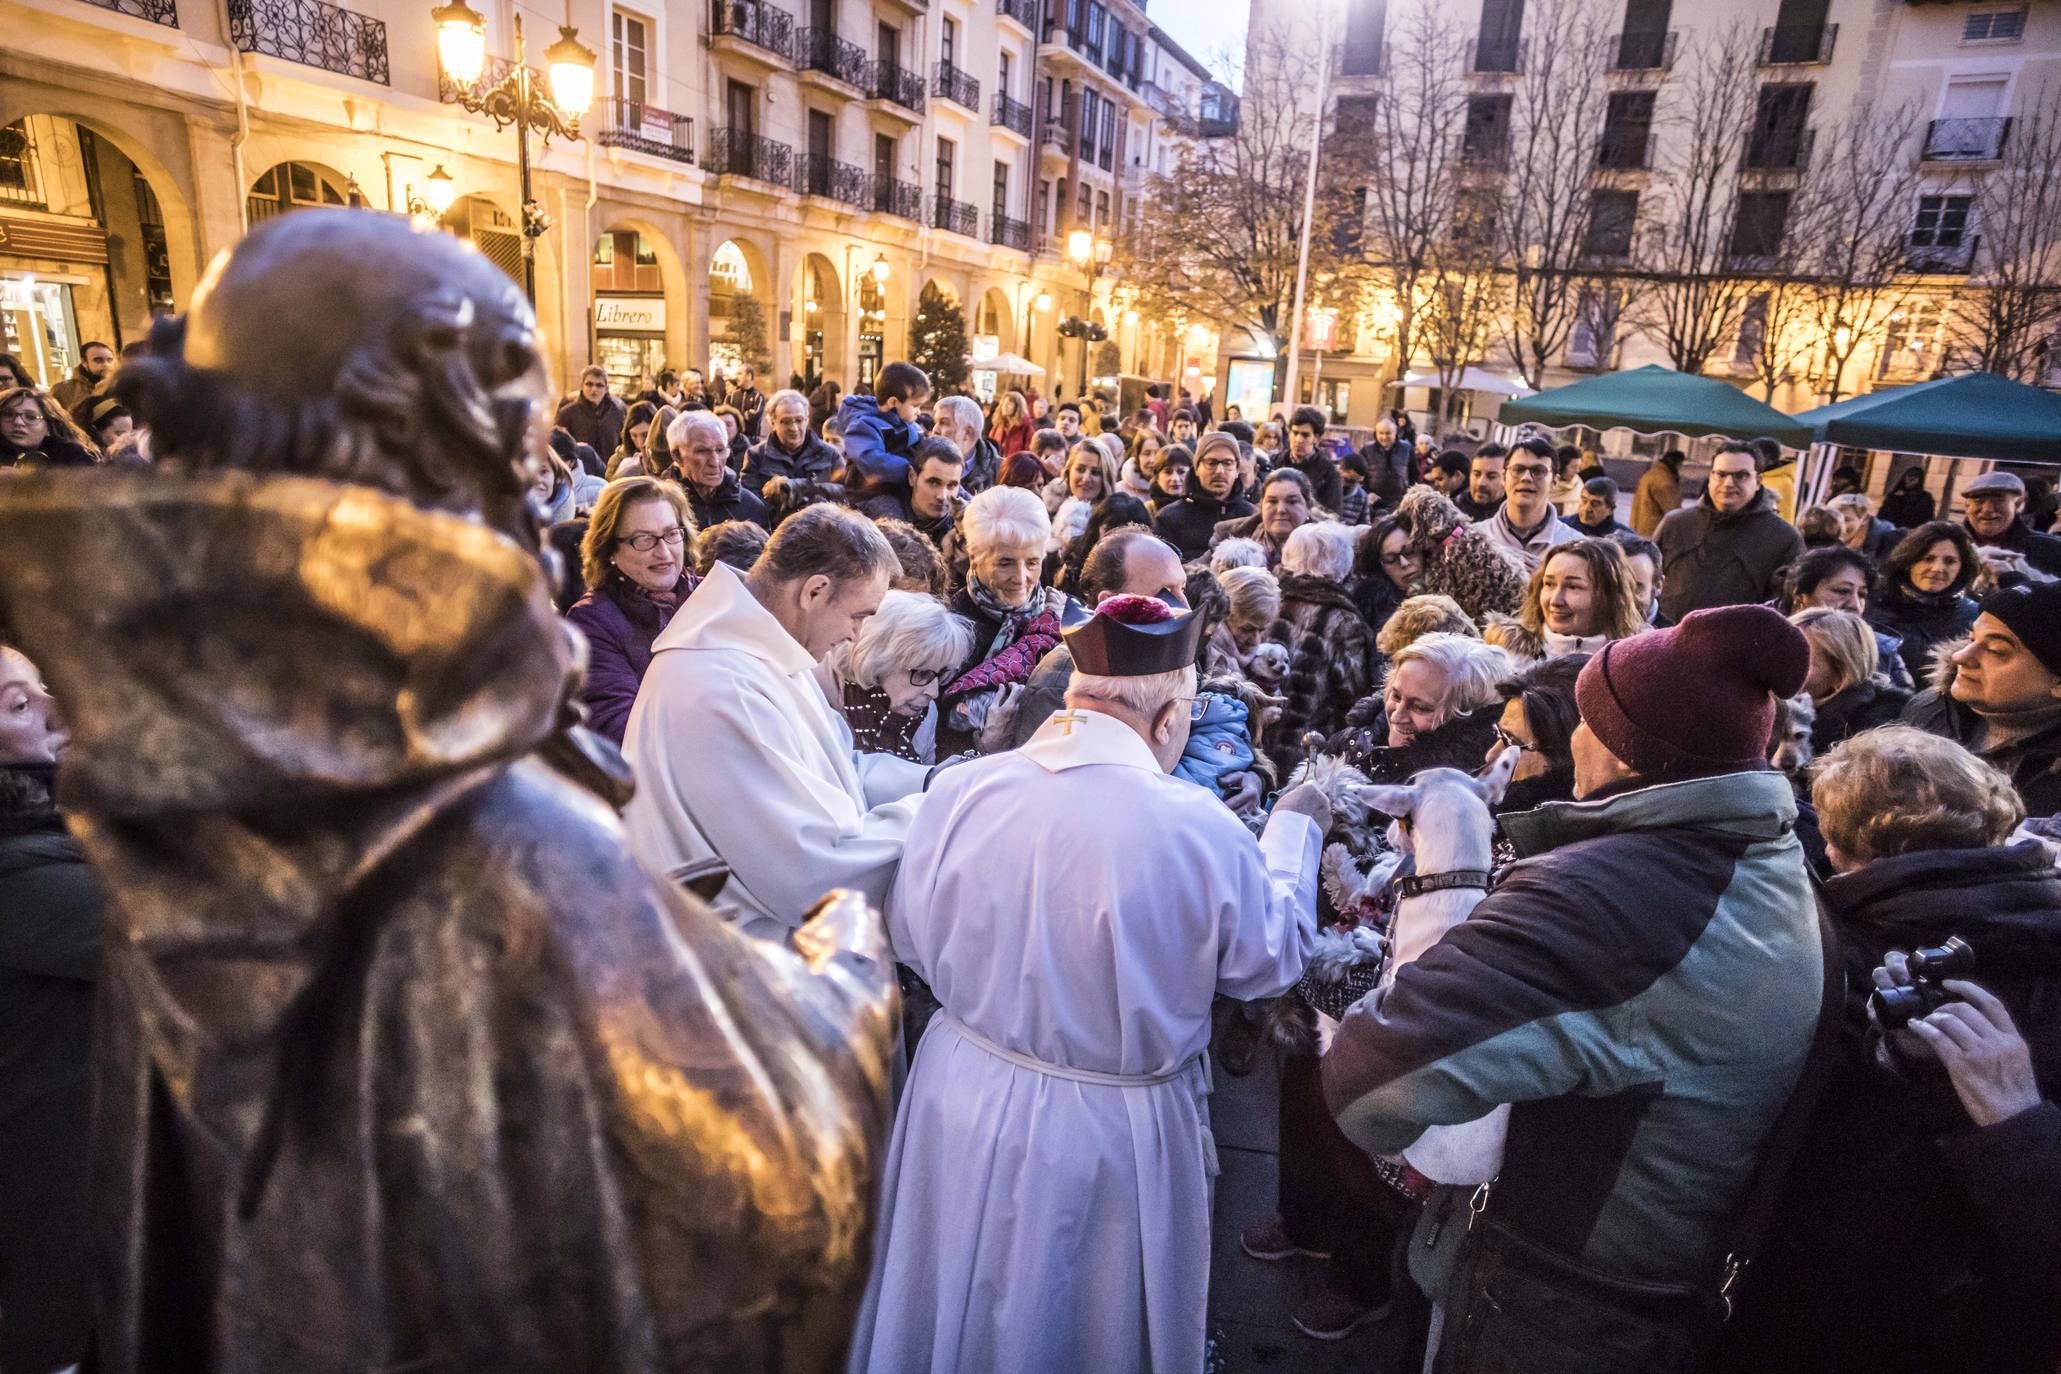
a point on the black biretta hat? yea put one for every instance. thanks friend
(1131, 636)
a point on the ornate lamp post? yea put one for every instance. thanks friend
(518, 99)
(1091, 254)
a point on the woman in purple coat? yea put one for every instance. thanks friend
(635, 559)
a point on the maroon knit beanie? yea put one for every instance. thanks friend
(1699, 695)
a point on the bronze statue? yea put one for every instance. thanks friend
(404, 1063)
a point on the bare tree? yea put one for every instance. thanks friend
(1464, 294)
(2006, 319)
(1695, 286)
(1774, 327)
(1556, 147)
(1851, 218)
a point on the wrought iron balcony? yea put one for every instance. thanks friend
(1495, 57)
(1924, 253)
(948, 82)
(957, 216)
(1011, 114)
(760, 25)
(1644, 50)
(645, 128)
(819, 174)
(1005, 232)
(314, 33)
(1024, 12)
(894, 83)
(742, 153)
(1778, 150)
(821, 50)
(1967, 140)
(164, 12)
(902, 199)
(1797, 45)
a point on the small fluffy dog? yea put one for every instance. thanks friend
(1457, 559)
(1267, 667)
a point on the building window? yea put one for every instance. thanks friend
(1627, 128)
(1591, 340)
(290, 186)
(1910, 341)
(1612, 216)
(1777, 140)
(18, 183)
(1364, 23)
(1001, 190)
(948, 45)
(1760, 220)
(947, 157)
(1486, 139)
(1942, 221)
(630, 47)
(1005, 69)
(1994, 26)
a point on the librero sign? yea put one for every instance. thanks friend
(644, 314)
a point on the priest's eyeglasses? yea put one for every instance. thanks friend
(644, 541)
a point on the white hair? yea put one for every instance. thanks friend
(788, 396)
(687, 421)
(1322, 548)
(910, 631)
(959, 413)
(1005, 515)
(1143, 696)
(1113, 446)
(1236, 553)
(1470, 667)
(1253, 592)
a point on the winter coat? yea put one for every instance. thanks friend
(1880, 538)
(750, 403)
(816, 461)
(2042, 552)
(1881, 1260)
(876, 444)
(1325, 483)
(1377, 596)
(1909, 509)
(1608, 526)
(1921, 621)
(74, 391)
(1863, 706)
(1462, 742)
(1332, 663)
(50, 937)
(1723, 560)
(56, 451)
(1643, 986)
(620, 622)
(1190, 524)
(729, 501)
(1658, 495)
(1219, 742)
(600, 426)
(1017, 438)
(1392, 470)
(1247, 527)
(983, 468)
(2033, 764)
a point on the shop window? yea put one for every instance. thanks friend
(19, 184)
(292, 186)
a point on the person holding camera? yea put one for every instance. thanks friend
(1888, 1255)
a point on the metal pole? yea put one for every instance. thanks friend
(529, 242)
(1309, 205)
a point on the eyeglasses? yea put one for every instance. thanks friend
(1510, 741)
(644, 541)
(923, 677)
(1394, 560)
(1526, 470)
(1731, 476)
(1219, 463)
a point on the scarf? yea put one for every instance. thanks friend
(1560, 644)
(1028, 632)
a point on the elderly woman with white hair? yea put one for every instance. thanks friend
(1438, 708)
(1015, 620)
(1255, 597)
(885, 679)
(1332, 659)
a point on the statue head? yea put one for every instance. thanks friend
(351, 345)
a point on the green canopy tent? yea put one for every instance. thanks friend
(1657, 400)
(1974, 415)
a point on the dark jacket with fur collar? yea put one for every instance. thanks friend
(2033, 764)
(1332, 663)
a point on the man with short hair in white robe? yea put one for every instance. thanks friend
(1046, 1205)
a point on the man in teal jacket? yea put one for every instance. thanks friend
(1642, 985)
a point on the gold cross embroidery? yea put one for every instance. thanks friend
(1068, 719)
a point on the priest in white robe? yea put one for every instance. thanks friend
(746, 776)
(1047, 1197)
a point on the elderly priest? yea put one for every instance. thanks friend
(1075, 909)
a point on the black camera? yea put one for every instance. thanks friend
(1930, 968)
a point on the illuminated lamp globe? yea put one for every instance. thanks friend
(461, 42)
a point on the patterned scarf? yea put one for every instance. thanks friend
(1028, 632)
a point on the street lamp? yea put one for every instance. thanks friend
(1091, 254)
(880, 269)
(517, 99)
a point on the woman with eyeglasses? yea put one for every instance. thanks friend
(1538, 718)
(635, 560)
(1383, 568)
(885, 679)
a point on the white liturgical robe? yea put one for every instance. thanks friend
(1047, 1195)
(742, 764)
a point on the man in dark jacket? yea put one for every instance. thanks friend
(1212, 499)
(2003, 702)
(1994, 515)
(958, 420)
(1727, 549)
(1391, 465)
(1642, 986)
(701, 453)
(930, 498)
(594, 417)
(1305, 455)
(790, 450)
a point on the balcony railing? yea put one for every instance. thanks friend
(164, 12)
(313, 33)
(821, 50)
(762, 26)
(1966, 140)
(1941, 259)
(742, 153)
(1024, 12)
(957, 216)
(1011, 114)
(902, 199)
(1005, 232)
(892, 82)
(1644, 50)
(1501, 56)
(819, 174)
(493, 74)
(1778, 150)
(948, 82)
(1056, 135)
(1797, 45)
(646, 129)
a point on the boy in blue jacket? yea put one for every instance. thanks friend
(880, 430)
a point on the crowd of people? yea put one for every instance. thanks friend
(1100, 710)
